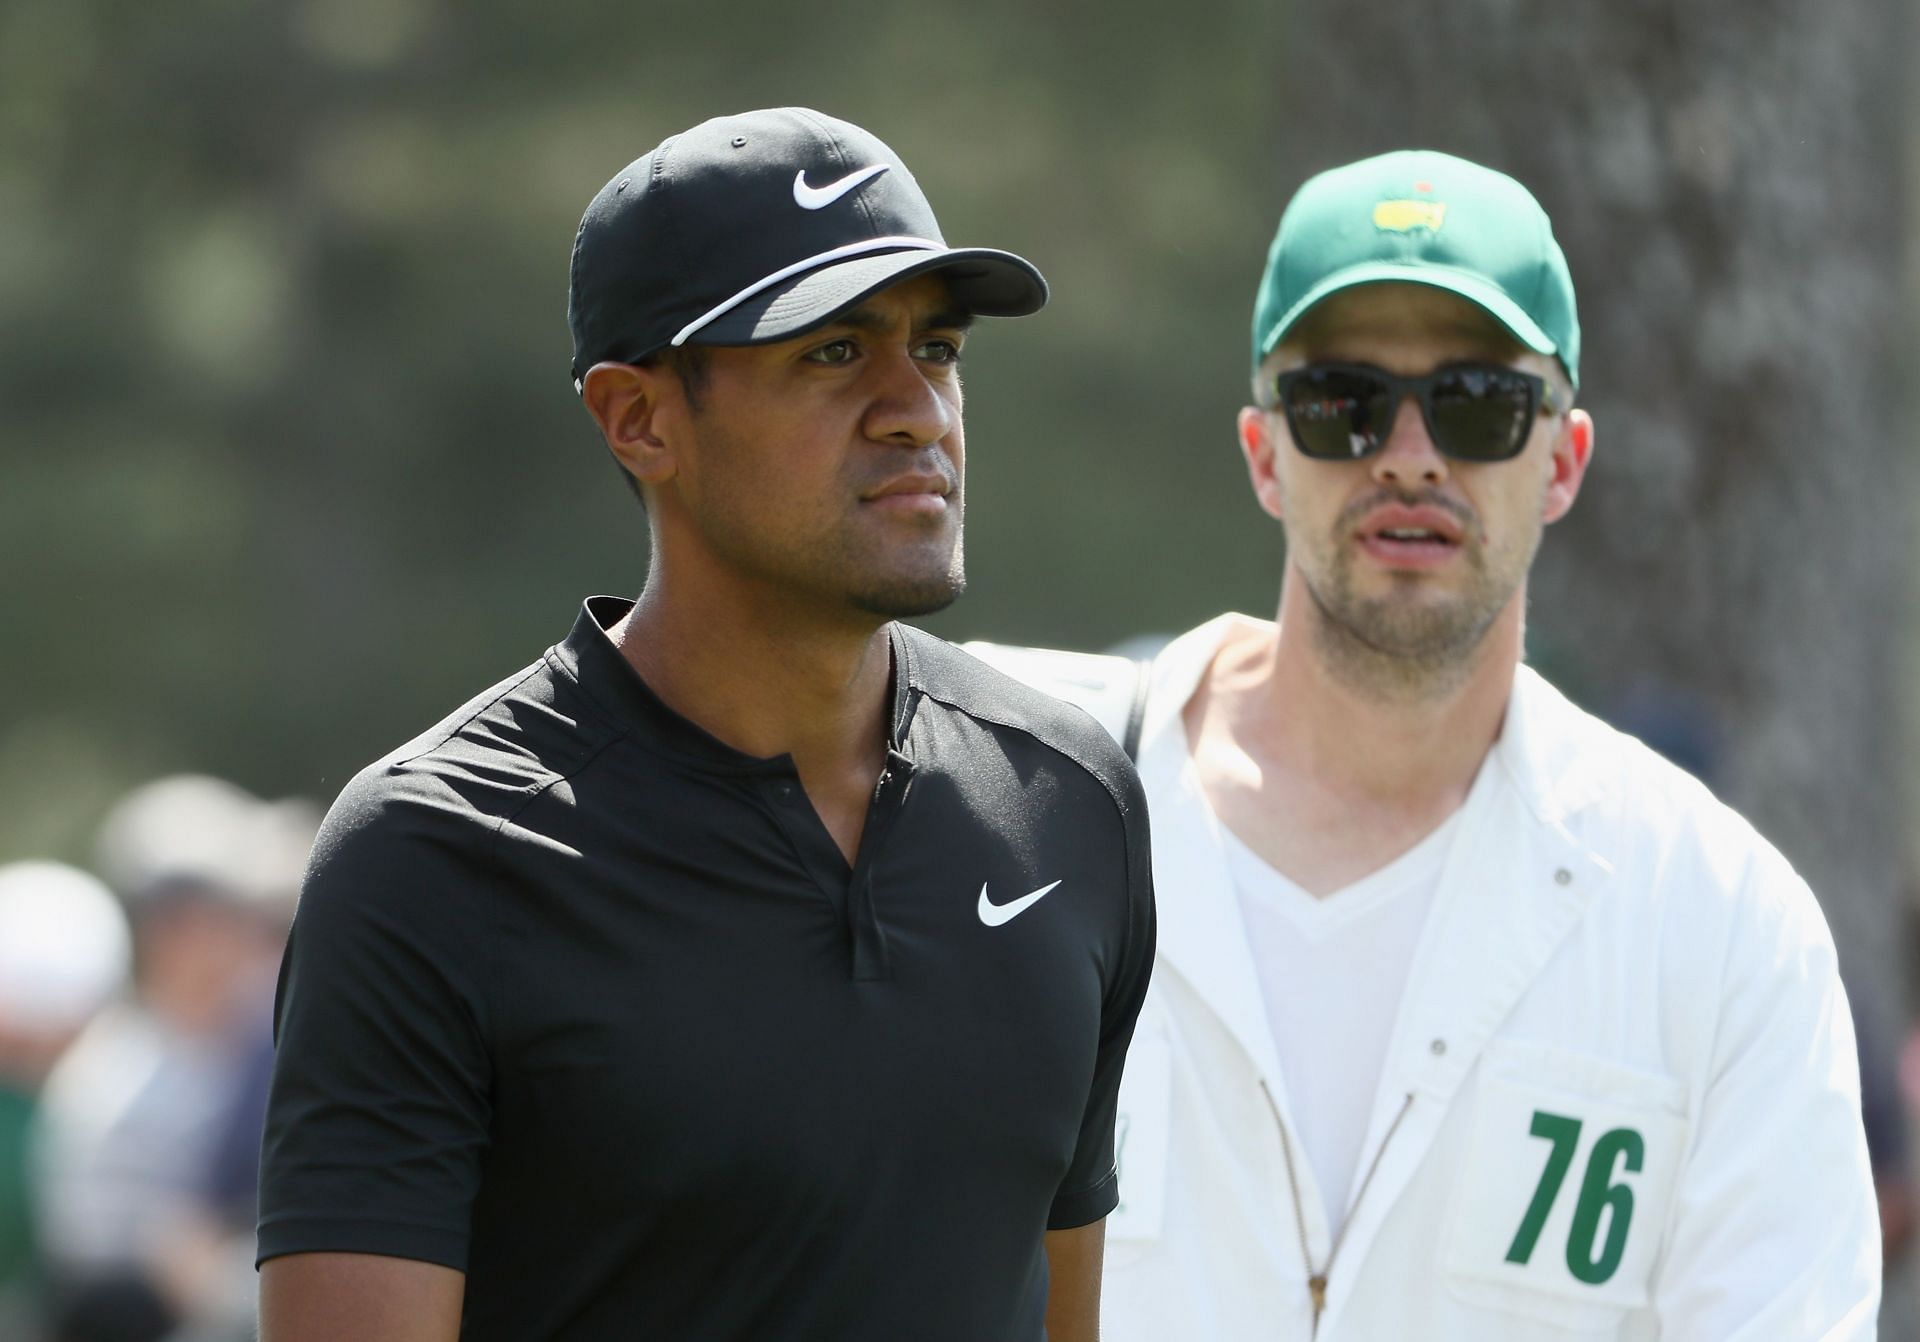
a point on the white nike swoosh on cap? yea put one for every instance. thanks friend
(995, 914)
(819, 197)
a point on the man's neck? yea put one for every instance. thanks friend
(770, 676)
(1329, 778)
(1403, 736)
(762, 672)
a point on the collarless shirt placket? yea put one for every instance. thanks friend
(848, 889)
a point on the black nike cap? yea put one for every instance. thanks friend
(758, 227)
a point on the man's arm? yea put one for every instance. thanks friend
(323, 1297)
(380, 1114)
(1073, 1274)
(1774, 1232)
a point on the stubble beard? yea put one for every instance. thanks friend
(1405, 646)
(837, 570)
(905, 595)
(847, 572)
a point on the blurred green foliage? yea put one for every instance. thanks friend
(291, 463)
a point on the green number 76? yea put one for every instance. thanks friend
(1597, 1191)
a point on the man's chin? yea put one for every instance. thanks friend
(1435, 632)
(906, 601)
(1413, 621)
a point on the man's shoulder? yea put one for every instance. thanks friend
(455, 785)
(1100, 684)
(480, 754)
(1641, 809)
(993, 691)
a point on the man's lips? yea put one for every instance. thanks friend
(1419, 522)
(1410, 535)
(914, 492)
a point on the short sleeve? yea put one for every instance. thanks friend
(1092, 1186)
(378, 1117)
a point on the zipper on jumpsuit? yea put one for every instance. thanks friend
(1317, 1281)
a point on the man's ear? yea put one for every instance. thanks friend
(1258, 446)
(633, 404)
(1572, 451)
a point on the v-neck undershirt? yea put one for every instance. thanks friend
(1332, 970)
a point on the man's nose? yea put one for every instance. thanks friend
(908, 408)
(1408, 456)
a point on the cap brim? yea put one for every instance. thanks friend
(1474, 288)
(983, 282)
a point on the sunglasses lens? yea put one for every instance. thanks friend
(1337, 414)
(1481, 414)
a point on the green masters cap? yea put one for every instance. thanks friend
(1421, 217)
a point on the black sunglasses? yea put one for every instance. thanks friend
(1473, 411)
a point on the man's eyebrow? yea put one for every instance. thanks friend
(955, 320)
(862, 319)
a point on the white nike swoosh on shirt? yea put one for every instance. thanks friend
(819, 197)
(995, 914)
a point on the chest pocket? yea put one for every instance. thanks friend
(1563, 1199)
(1140, 1139)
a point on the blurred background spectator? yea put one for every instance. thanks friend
(146, 1137)
(64, 952)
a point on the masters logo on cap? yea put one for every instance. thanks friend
(1421, 217)
(1403, 216)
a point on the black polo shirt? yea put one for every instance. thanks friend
(589, 1005)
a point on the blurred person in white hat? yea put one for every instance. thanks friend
(158, 1102)
(64, 952)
